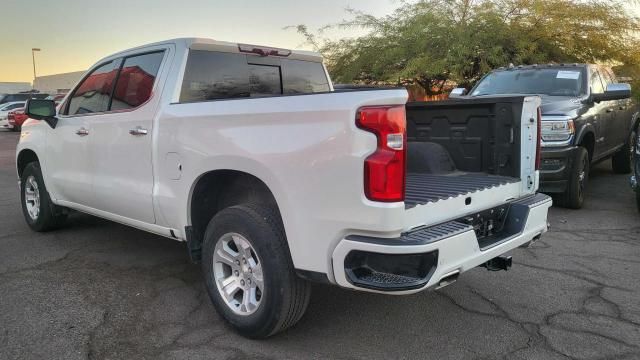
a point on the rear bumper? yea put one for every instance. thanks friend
(426, 257)
(556, 165)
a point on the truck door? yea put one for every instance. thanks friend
(602, 118)
(121, 140)
(69, 162)
(620, 113)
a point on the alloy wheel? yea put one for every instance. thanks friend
(238, 274)
(32, 197)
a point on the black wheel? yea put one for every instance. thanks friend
(40, 213)
(622, 161)
(249, 273)
(573, 198)
(16, 128)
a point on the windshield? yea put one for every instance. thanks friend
(552, 82)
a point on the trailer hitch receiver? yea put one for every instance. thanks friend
(499, 263)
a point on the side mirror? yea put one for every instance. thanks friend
(458, 92)
(613, 92)
(39, 109)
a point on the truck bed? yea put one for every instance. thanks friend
(459, 148)
(425, 188)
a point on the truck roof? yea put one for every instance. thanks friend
(195, 43)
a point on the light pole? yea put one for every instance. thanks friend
(33, 57)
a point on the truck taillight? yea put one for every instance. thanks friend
(538, 141)
(384, 170)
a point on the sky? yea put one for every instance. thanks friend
(74, 34)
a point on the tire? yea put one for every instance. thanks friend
(622, 161)
(284, 296)
(573, 198)
(16, 128)
(40, 213)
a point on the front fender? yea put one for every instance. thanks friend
(584, 130)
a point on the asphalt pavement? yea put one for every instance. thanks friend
(100, 290)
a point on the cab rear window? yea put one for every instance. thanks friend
(211, 75)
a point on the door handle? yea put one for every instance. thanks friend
(82, 132)
(138, 131)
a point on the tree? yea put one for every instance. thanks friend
(429, 42)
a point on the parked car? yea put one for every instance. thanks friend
(16, 118)
(635, 178)
(587, 117)
(56, 98)
(4, 112)
(272, 178)
(7, 98)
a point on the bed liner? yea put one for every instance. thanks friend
(425, 188)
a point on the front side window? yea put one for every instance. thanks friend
(596, 83)
(94, 92)
(136, 79)
(606, 77)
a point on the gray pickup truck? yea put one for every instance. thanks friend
(587, 117)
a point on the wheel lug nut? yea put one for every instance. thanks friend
(237, 273)
(249, 281)
(244, 260)
(242, 282)
(237, 262)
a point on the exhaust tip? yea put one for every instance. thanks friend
(448, 280)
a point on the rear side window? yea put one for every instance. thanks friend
(136, 80)
(211, 75)
(94, 92)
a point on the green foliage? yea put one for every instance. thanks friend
(429, 42)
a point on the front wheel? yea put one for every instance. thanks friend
(249, 273)
(39, 211)
(573, 198)
(622, 161)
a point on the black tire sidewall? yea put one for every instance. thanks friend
(276, 273)
(573, 198)
(45, 217)
(622, 161)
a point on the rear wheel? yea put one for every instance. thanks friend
(573, 198)
(622, 161)
(39, 211)
(249, 273)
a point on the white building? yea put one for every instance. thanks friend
(58, 83)
(14, 87)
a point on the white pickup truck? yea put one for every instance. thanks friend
(274, 179)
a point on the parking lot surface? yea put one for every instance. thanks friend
(100, 290)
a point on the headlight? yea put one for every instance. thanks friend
(557, 130)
